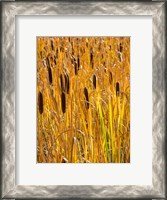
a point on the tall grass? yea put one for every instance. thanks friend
(83, 106)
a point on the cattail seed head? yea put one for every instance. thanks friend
(78, 63)
(40, 102)
(50, 75)
(121, 48)
(63, 102)
(52, 45)
(94, 81)
(91, 58)
(76, 68)
(110, 78)
(86, 97)
(57, 53)
(117, 89)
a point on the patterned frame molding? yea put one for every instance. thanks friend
(9, 11)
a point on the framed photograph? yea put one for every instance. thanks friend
(83, 99)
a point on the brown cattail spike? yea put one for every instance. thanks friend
(52, 45)
(41, 54)
(50, 75)
(78, 63)
(94, 81)
(87, 98)
(40, 102)
(110, 78)
(121, 48)
(76, 68)
(57, 53)
(117, 89)
(63, 102)
(91, 57)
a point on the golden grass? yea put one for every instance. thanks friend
(83, 92)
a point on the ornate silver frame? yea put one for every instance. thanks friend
(9, 10)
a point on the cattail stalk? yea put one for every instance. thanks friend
(50, 75)
(121, 48)
(91, 58)
(76, 68)
(57, 53)
(78, 63)
(40, 102)
(52, 45)
(87, 98)
(110, 78)
(63, 102)
(94, 81)
(117, 89)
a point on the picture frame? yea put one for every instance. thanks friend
(9, 11)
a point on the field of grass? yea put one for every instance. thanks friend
(83, 99)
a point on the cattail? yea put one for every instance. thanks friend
(78, 63)
(110, 78)
(117, 89)
(57, 53)
(104, 64)
(52, 45)
(62, 83)
(50, 75)
(87, 98)
(67, 83)
(91, 58)
(76, 68)
(94, 81)
(63, 102)
(40, 102)
(121, 48)
(41, 54)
